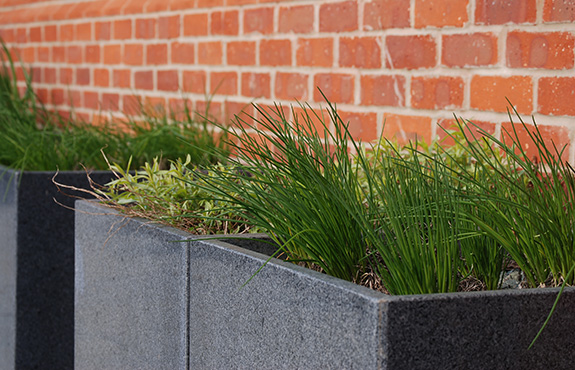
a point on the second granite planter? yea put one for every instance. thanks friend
(37, 268)
(146, 301)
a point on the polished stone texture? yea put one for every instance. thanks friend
(286, 316)
(37, 268)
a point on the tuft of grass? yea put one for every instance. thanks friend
(530, 203)
(35, 138)
(422, 218)
(300, 186)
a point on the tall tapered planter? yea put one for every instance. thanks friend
(152, 297)
(37, 268)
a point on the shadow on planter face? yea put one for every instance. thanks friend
(37, 268)
(144, 301)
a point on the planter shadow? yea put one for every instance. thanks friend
(37, 268)
(145, 301)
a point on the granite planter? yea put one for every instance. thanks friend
(146, 301)
(37, 268)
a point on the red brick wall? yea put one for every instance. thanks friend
(410, 63)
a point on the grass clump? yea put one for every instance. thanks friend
(409, 220)
(35, 138)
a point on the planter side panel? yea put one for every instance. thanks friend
(45, 272)
(485, 330)
(131, 293)
(286, 317)
(8, 263)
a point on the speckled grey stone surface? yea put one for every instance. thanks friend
(286, 317)
(8, 222)
(131, 293)
(37, 254)
(289, 317)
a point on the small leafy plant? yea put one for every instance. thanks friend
(172, 196)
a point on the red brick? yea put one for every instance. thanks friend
(101, 77)
(505, 11)
(224, 83)
(297, 19)
(43, 96)
(237, 110)
(44, 54)
(156, 54)
(133, 7)
(256, 85)
(210, 52)
(168, 80)
(338, 17)
(490, 93)
(183, 53)
(556, 96)
(146, 28)
(361, 126)
(133, 54)
(66, 32)
(189, 4)
(66, 76)
(110, 102)
(194, 81)
(440, 13)
(407, 128)
(196, 24)
(259, 20)
(82, 76)
(275, 52)
(383, 90)
(360, 52)
(92, 9)
(169, 27)
(22, 34)
(91, 100)
(337, 88)
(411, 52)
(102, 31)
(383, 14)
(84, 31)
(28, 55)
(58, 54)
(241, 53)
(225, 23)
(50, 33)
(243, 2)
(209, 110)
(122, 29)
(436, 92)
(121, 78)
(315, 52)
(552, 50)
(93, 54)
(144, 80)
(552, 136)
(291, 86)
(49, 75)
(472, 49)
(73, 97)
(35, 34)
(57, 97)
(559, 11)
